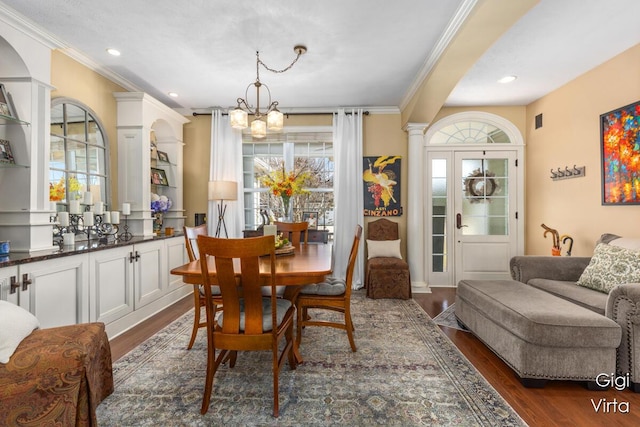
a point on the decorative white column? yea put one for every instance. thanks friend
(415, 207)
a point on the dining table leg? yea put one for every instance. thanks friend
(291, 293)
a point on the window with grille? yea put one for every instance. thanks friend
(299, 152)
(78, 160)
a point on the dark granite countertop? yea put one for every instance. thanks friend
(17, 258)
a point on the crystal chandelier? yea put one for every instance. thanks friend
(239, 116)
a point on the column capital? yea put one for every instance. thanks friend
(415, 128)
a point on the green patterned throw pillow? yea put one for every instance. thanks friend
(611, 266)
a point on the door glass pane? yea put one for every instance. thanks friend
(485, 204)
(438, 215)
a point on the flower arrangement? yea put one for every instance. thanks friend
(286, 185)
(160, 204)
(57, 190)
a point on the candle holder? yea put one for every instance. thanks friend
(89, 223)
(126, 235)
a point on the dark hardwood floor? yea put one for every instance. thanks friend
(560, 403)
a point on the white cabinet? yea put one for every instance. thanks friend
(111, 283)
(176, 256)
(56, 291)
(10, 285)
(119, 286)
(131, 283)
(150, 273)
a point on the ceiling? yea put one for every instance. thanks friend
(369, 53)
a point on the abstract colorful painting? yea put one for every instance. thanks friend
(620, 137)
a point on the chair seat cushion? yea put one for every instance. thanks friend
(282, 305)
(331, 286)
(387, 263)
(215, 291)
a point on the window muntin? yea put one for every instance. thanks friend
(78, 160)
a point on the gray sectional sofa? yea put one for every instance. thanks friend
(547, 326)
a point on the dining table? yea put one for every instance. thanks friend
(307, 264)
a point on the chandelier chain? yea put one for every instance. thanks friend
(299, 53)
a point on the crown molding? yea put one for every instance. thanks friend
(449, 33)
(30, 28)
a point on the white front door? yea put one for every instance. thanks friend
(485, 231)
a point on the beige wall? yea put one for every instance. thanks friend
(73, 80)
(570, 135)
(197, 139)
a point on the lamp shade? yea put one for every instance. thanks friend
(238, 118)
(223, 190)
(275, 120)
(258, 128)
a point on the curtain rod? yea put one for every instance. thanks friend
(366, 113)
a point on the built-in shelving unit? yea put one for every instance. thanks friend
(146, 126)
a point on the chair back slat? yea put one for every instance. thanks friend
(293, 231)
(237, 264)
(353, 255)
(191, 235)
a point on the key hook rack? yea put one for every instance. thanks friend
(567, 172)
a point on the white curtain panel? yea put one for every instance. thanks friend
(226, 165)
(348, 187)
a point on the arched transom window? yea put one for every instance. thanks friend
(470, 132)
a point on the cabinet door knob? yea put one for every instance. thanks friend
(14, 285)
(131, 257)
(137, 255)
(25, 281)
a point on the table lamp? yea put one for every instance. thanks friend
(222, 190)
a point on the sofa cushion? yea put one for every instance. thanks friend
(584, 297)
(17, 324)
(538, 317)
(610, 266)
(627, 243)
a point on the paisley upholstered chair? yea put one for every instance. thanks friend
(386, 274)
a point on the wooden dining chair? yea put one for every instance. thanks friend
(293, 231)
(249, 321)
(191, 235)
(332, 294)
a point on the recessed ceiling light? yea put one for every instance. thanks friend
(173, 94)
(507, 79)
(114, 52)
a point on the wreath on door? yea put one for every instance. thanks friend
(480, 186)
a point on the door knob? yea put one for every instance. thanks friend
(459, 224)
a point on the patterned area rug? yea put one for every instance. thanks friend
(448, 318)
(406, 372)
